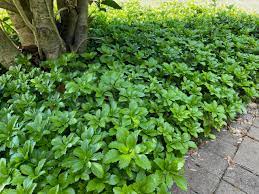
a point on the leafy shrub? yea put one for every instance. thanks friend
(120, 117)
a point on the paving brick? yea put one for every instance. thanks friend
(226, 136)
(199, 179)
(242, 179)
(256, 122)
(205, 169)
(226, 188)
(249, 117)
(252, 106)
(220, 147)
(248, 155)
(254, 132)
(211, 162)
(241, 124)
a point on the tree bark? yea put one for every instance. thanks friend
(48, 38)
(8, 50)
(69, 18)
(25, 35)
(7, 6)
(81, 26)
(35, 23)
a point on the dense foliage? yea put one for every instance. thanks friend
(120, 117)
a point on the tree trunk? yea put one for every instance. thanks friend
(74, 15)
(81, 35)
(8, 50)
(48, 38)
(36, 26)
(24, 33)
(69, 18)
(8, 6)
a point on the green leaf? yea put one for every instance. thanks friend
(177, 163)
(69, 191)
(89, 56)
(74, 163)
(3, 167)
(122, 135)
(180, 182)
(143, 162)
(123, 190)
(124, 160)
(27, 170)
(29, 186)
(95, 185)
(191, 144)
(17, 178)
(160, 162)
(112, 4)
(212, 136)
(72, 87)
(9, 191)
(120, 146)
(162, 189)
(54, 190)
(113, 180)
(131, 141)
(111, 156)
(97, 169)
(40, 166)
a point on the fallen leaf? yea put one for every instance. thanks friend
(230, 161)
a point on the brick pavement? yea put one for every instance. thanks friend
(229, 164)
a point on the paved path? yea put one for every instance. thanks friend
(230, 164)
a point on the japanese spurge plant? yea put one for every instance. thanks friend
(120, 117)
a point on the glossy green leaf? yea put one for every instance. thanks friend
(97, 169)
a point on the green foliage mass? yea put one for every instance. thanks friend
(120, 117)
